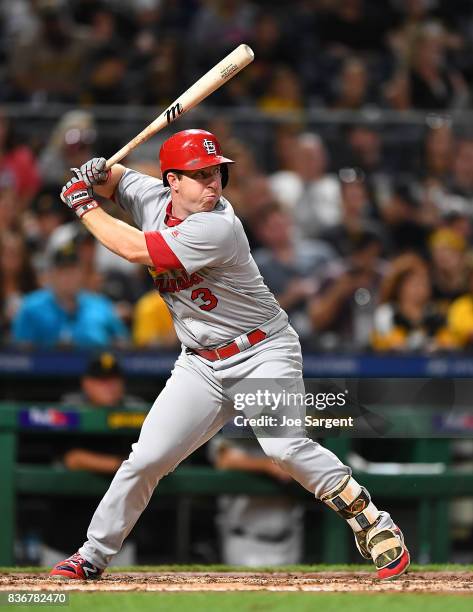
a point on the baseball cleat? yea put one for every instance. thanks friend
(386, 548)
(76, 567)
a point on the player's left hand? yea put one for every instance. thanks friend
(78, 195)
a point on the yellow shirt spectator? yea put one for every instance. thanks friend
(460, 320)
(407, 319)
(152, 323)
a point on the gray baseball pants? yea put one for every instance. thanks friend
(186, 414)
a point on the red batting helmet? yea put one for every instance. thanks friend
(192, 150)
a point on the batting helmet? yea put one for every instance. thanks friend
(192, 150)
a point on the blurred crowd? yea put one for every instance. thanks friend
(362, 230)
(344, 54)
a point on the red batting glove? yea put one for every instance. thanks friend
(77, 195)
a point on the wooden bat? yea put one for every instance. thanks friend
(211, 81)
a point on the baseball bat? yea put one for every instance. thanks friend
(207, 84)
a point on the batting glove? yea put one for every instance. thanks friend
(78, 195)
(94, 171)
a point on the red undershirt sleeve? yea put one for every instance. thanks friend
(161, 254)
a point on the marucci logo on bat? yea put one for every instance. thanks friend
(173, 112)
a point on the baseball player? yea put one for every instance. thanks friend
(231, 328)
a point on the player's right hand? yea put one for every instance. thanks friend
(77, 195)
(94, 171)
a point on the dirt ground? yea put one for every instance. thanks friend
(425, 582)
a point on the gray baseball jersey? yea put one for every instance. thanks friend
(203, 266)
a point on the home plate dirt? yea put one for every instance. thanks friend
(433, 582)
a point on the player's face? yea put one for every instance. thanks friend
(197, 191)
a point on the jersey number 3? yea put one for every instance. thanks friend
(209, 299)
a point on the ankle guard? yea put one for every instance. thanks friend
(353, 503)
(385, 546)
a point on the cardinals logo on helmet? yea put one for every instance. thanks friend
(209, 146)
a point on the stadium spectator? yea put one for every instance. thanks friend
(460, 315)
(461, 223)
(157, 70)
(217, 27)
(248, 170)
(355, 213)
(462, 172)
(412, 16)
(45, 215)
(18, 19)
(362, 147)
(19, 161)
(256, 195)
(283, 92)
(395, 94)
(63, 314)
(102, 386)
(308, 189)
(10, 215)
(342, 310)
(17, 278)
(271, 47)
(433, 83)
(69, 146)
(453, 194)
(439, 148)
(289, 266)
(284, 142)
(106, 23)
(448, 266)
(106, 78)
(351, 86)
(152, 322)
(406, 319)
(404, 220)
